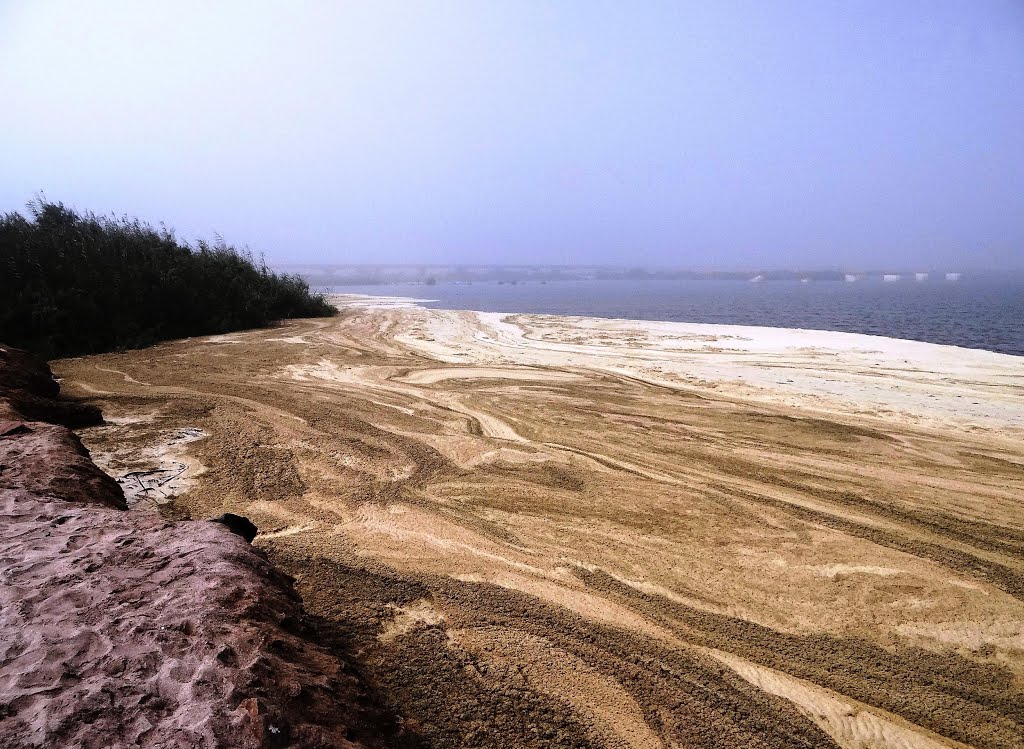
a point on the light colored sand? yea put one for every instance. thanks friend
(407, 618)
(850, 724)
(430, 376)
(920, 383)
(162, 469)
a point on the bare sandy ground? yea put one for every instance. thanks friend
(542, 531)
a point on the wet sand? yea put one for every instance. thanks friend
(543, 531)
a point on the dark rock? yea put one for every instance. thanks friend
(151, 644)
(20, 370)
(48, 460)
(39, 455)
(28, 391)
(71, 414)
(238, 524)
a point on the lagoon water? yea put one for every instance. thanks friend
(984, 312)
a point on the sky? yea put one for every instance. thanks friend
(857, 134)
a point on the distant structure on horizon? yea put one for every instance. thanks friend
(891, 277)
(849, 278)
(953, 276)
(921, 276)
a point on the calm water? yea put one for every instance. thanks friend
(977, 313)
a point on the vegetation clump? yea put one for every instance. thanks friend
(73, 284)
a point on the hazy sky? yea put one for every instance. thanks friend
(857, 134)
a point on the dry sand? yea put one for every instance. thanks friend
(544, 531)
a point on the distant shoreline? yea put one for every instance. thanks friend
(970, 314)
(346, 300)
(822, 370)
(368, 275)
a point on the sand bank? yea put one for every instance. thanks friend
(542, 531)
(828, 371)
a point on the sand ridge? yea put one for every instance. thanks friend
(721, 526)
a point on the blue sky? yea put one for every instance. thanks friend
(718, 134)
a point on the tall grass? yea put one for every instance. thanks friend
(74, 284)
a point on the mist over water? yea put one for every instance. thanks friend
(984, 312)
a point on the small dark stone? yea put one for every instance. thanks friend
(238, 524)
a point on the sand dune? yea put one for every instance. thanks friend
(542, 531)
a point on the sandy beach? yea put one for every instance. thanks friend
(553, 531)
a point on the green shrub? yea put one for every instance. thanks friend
(73, 284)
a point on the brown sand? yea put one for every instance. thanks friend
(537, 531)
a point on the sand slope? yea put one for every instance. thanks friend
(542, 531)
